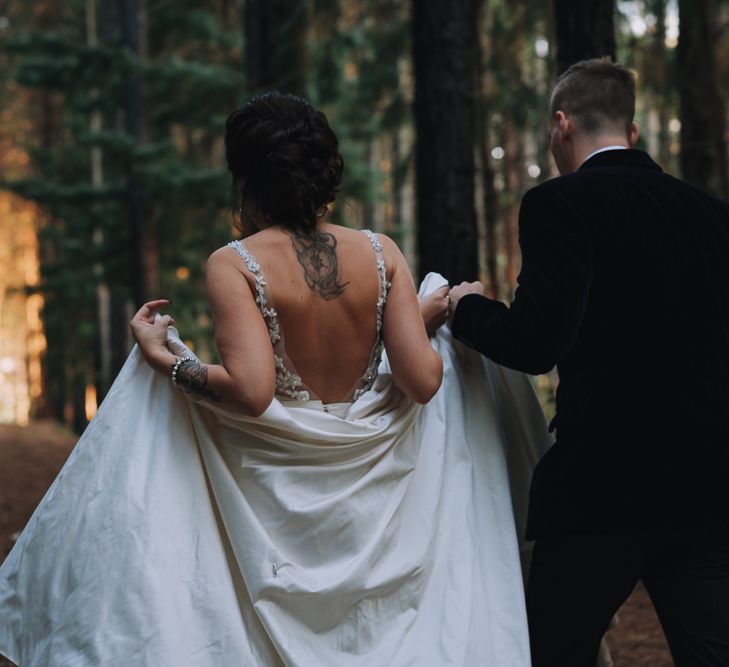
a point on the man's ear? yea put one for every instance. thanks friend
(564, 124)
(634, 134)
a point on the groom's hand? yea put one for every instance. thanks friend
(460, 291)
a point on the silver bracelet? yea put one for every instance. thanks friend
(178, 363)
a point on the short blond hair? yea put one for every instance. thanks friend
(598, 93)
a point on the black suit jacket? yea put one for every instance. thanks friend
(625, 287)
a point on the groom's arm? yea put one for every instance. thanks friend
(542, 323)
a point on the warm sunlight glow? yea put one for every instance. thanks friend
(22, 340)
(90, 401)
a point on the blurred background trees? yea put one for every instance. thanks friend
(702, 107)
(583, 29)
(445, 52)
(113, 181)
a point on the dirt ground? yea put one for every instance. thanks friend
(31, 457)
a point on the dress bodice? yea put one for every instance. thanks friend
(289, 384)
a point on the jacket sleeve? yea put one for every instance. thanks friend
(541, 325)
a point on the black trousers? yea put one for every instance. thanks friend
(578, 581)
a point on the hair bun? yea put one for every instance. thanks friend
(284, 159)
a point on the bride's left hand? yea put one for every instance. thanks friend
(151, 333)
(434, 309)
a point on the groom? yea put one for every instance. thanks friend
(625, 287)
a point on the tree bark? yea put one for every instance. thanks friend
(488, 186)
(445, 61)
(326, 74)
(275, 45)
(584, 29)
(661, 84)
(703, 143)
(103, 375)
(513, 175)
(53, 376)
(145, 249)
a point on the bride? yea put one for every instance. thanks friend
(315, 499)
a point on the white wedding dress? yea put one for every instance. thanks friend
(379, 533)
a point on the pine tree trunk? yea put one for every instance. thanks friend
(584, 29)
(103, 375)
(145, 250)
(703, 144)
(121, 293)
(488, 186)
(406, 195)
(78, 401)
(513, 168)
(445, 53)
(52, 369)
(275, 45)
(663, 139)
(325, 77)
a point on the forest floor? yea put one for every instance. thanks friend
(31, 457)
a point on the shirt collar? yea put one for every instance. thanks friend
(620, 158)
(603, 149)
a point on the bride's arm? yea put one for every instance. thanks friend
(434, 309)
(416, 367)
(245, 381)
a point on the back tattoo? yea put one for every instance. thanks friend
(317, 254)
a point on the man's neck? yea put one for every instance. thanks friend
(587, 149)
(612, 147)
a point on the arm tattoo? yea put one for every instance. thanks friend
(317, 254)
(192, 377)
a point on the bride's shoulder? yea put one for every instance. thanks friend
(232, 251)
(231, 257)
(223, 271)
(391, 253)
(224, 255)
(366, 236)
(388, 245)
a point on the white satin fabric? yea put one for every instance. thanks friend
(380, 533)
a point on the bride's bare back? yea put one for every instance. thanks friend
(324, 287)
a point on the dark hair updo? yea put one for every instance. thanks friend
(284, 159)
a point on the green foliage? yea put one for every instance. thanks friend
(190, 80)
(357, 55)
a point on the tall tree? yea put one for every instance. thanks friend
(488, 188)
(703, 115)
(584, 29)
(445, 51)
(104, 354)
(145, 252)
(275, 44)
(658, 70)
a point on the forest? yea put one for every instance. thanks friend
(114, 188)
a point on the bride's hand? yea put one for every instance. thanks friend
(434, 309)
(151, 333)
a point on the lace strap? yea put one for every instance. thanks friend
(382, 275)
(370, 374)
(269, 313)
